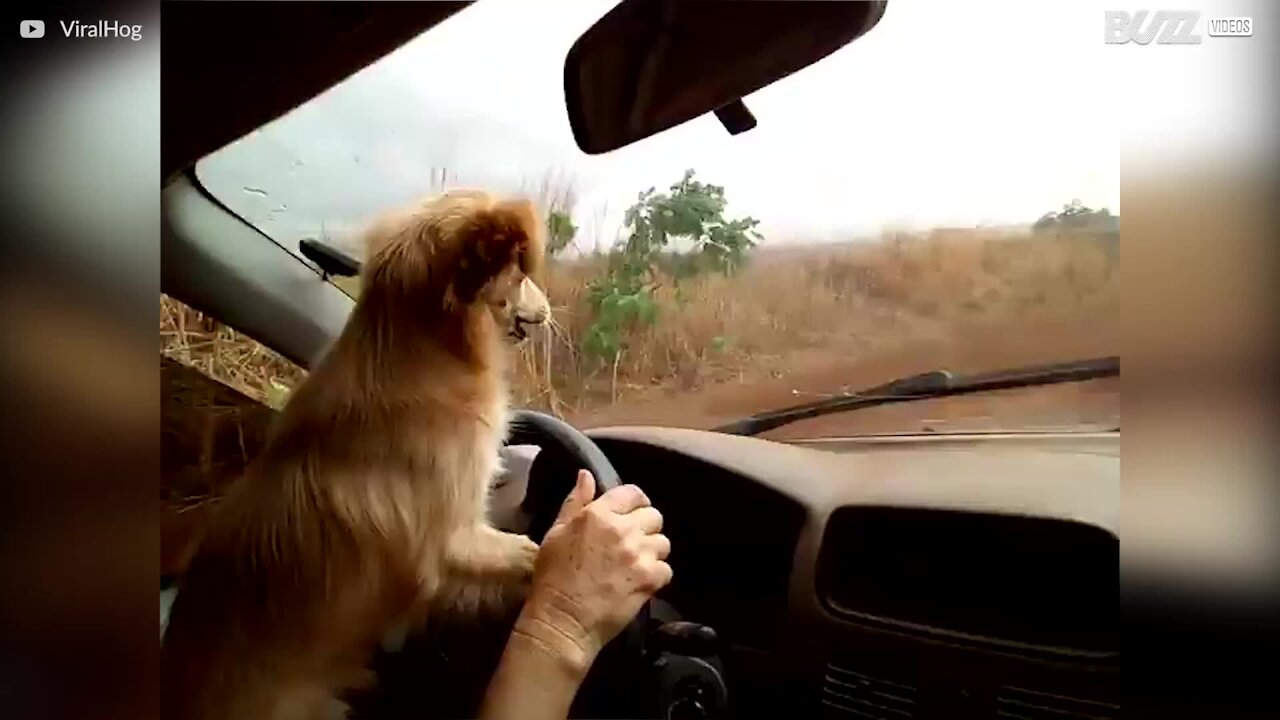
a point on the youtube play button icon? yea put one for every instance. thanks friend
(31, 29)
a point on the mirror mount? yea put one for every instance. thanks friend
(735, 117)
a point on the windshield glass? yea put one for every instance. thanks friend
(941, 193)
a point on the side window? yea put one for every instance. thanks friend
(198, 341)
(219, 392)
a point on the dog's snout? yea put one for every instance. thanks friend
(536, 317)
(532, 307)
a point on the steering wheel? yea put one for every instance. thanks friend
(564, 451)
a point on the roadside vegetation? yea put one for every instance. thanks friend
(690, 297)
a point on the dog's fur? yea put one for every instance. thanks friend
(366, 509)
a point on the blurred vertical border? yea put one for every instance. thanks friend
(1200, 245)
(79, 282)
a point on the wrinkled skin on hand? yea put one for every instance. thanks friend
(598, 564)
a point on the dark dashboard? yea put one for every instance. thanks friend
(942, 578)
(998, 579)
(736, 540)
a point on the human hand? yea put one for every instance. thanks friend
(598, 564)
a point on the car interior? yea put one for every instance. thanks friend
(912, 576)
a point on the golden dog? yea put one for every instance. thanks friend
(366, 509)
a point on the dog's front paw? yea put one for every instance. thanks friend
(488, 552)
(524, 553)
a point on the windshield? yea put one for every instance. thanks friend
(941, 193)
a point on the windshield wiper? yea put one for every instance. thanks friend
(935, 384)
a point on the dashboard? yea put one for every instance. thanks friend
(907, 577)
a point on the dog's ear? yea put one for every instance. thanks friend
(506, 234)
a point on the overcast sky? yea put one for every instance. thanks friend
(944, 114)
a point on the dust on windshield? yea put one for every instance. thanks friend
(953, 214)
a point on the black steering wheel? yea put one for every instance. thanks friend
(564, 451)
(530, 427)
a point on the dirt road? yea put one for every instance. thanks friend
(819, 374)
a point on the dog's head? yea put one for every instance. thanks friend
(502, 251)
(466, 250)
(516, 302)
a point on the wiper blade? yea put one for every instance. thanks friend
(329, 259)
(935, 384)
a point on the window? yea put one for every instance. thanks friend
(915, 192)
(219, 391)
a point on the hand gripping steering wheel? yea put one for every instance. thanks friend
(564, 451)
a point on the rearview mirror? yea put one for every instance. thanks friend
(649, 65)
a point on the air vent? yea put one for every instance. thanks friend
(1014, 702)
(858, 694)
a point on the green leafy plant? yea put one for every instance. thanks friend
(616, 310)
(623, 298)
(1076, 215)
(1101, 224)
(560, 231)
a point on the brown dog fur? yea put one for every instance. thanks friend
(367, 507)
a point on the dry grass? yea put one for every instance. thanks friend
(851, 300)
(197, 340)
(846, 301)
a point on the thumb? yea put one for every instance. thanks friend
(584, 491)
